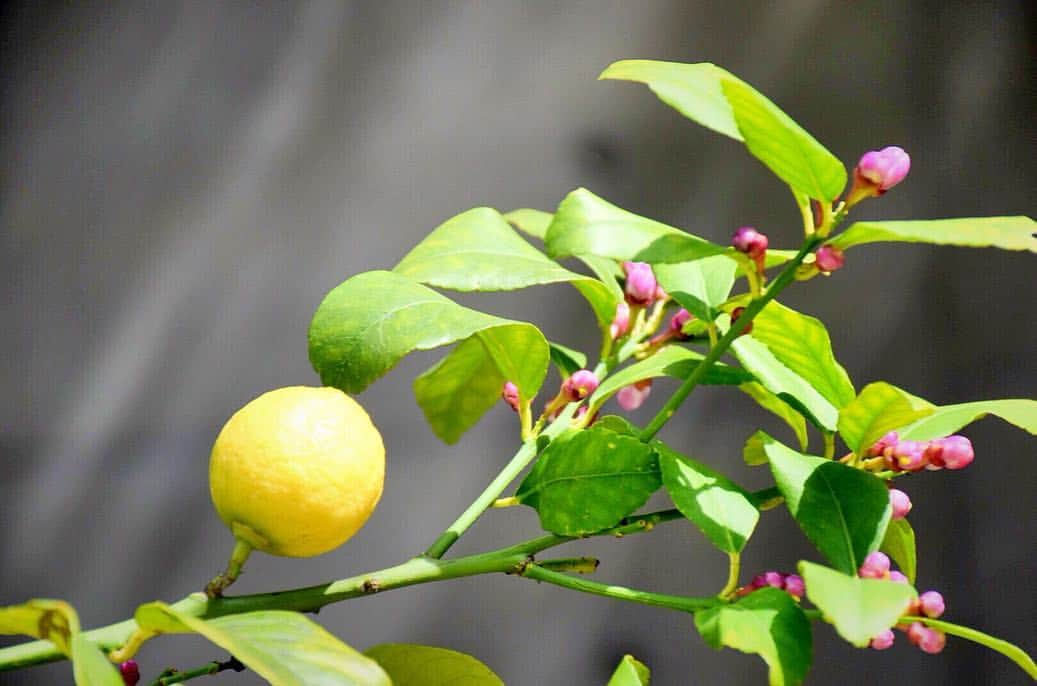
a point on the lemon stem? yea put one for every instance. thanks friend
(238, 556)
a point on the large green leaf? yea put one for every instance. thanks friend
(1009, 233)
(672, 360)
(90, 667)
(417, 665)
(860, 609)
(285, 648)
(456, 392)
(947, 419)
(700, 286)
(371, 321)
(899, 544)
(694, 90)
(478, 251)
(588, 480)
(531, 222)
(768, 623)
(842, 510)
(879, 409)
(587, 225)
(630, 672)
(715, 504)
(776, 405)
(802, 344)
(795, 157)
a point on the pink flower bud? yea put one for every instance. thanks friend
(633, 396)
(908, 456)
(677, 322)
(749, 241)
(829, 258)
(898, 577)
(510, 394)
(735, 314)
(888, 441)
(900, 502)
(916, 632)
(883, 640)
(640, 284)
(931, 604)
(955, 452)
(772, 579)
(794, 586)
(875, 566)
(882, 169)
(621, 324)
(130, 672)
(581, 384)
(932, 641)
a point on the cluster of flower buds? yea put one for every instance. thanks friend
(753, 243)
(674, 331)
(952, 452)
(877, 172)
(877, 566)
(641, 287)
(790, 583)
(579, 385)
(633, 396)
(130, 672)
(929, 604)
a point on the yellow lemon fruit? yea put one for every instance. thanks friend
(297, 471)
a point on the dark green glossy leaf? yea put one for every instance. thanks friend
(860, 609)
(90, 666)
(774, 404)
(842, 510)
(947, 419)
(456, 392)
(371, 321)
(417, 665)
(566, 359)
(285, 648)
(768, 623)
(700, 286)
(588, 480)
(1008, 233)
(899, 544)
(879, 409)
(531, 222)
(715, 504)
(587, 225)
(795, 157)
(630, 672)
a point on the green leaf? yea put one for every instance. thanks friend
(51, 620)
(879, 409)
(587, 225)
(795, 157)
(1008, 233)
(417, 665)
(802, 344)
(458, 390)
(566, 359)
(531, 222)
(694, 90)
(899, 544)
(947, 419)
(372, 320)
(753, 452)
(700, 286)
(774, 404)
(672, 360)
(285, 648)
(767, 622)
(478, 251)
(860, 609)
(90, 667)
(715, 504)
(842, 510)
(588, 480)
(630, 672)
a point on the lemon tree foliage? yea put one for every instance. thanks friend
(299, 470)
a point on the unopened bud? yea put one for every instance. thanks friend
(621, 323)
(907, 456)
(931, 604)
(888, 441)
(640, 283)
(898, 577)
(735, 314)
(794, 586)
(875, 566)
(510, 394)
(879, 170)
(932, 641)
(953, 452)
(581, 384)
(749, 241)
(828, 258)
(130, 672)
(633, 396)
(883, 640)
(900, 502)
(677, 322)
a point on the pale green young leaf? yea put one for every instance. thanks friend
(52, 620)
(899, 544)
(418, 665)
(700, 286)
(879, 409)
(753, 453)
(630, 672)
(90, 666)
(530, 222)
(946, 420)
(1007, 233)
(859, 609)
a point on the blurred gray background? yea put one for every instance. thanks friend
(183, 182)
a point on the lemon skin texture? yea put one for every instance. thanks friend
(297, 471)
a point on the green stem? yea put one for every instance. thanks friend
(673, 602)
(733, 569)
(576, 565)
(238, 558)
(1012, 652)
(783, 279)
(204, 670)
(829, 438)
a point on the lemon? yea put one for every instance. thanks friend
(297, 471)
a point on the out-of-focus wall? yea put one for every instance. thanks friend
(183, 181)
